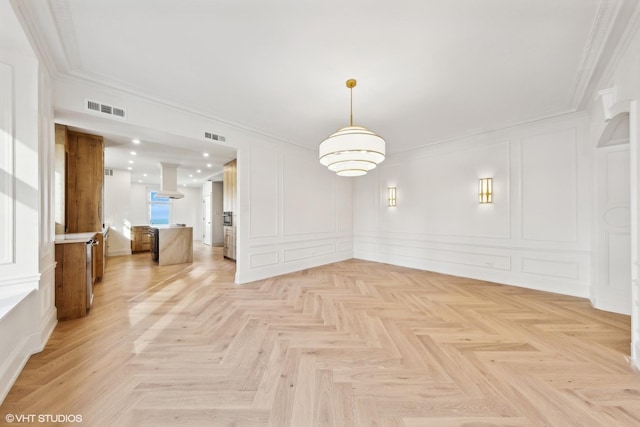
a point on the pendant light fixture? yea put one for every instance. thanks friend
(352, 150)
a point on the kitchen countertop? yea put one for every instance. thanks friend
(75, 237)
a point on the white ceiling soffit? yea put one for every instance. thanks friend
(426, 71)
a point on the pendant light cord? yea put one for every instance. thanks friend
(350, 106)
(351, 83)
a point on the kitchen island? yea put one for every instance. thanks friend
(171, 244)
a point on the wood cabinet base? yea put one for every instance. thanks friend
(71, 280)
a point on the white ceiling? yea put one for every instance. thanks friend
(427, 71)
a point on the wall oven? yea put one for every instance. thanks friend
(227, 219)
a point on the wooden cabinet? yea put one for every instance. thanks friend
(229, 204)
(229, 186)
(229, 250)
(140, 239)
(85, 180)
(74, 274)
(83, 188)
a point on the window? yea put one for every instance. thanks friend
(159, 209)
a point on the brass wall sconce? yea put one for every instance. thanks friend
(391, 193)
(485, 190)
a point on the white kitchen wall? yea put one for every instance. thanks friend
(27, 223)
(187, 210)
(117, 211)
(535, 233)
(213, 190)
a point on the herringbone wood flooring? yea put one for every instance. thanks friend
(348, 344)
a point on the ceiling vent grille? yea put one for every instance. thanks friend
(110, 110)
(213, 136)
(108, 171)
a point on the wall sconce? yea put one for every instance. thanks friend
(485, 190)
(391, 192)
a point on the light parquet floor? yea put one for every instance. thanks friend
(353, 343)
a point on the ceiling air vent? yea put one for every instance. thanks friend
(99, 107)
(213, 136)
(108, 171)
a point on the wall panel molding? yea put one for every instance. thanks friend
(308, 252)
(264, 193)
(550, 268)
(263, 259)
(549, 186)
(7, 165)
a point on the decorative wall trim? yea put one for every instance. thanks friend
(29, 344)
(308, 252)
(423, 240)
(550, 268)
(264, 259)
(7, 165)
(574, 142)
(275, 179)
(20, 280)
(296, 239)
(289, 267)
(547, 284)
(344, 246)
(48, 269)
(64, 25)
(594, 47)
(449, 256)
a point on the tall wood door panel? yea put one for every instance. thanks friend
(85, 178)
(229, 186)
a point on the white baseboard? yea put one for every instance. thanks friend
(119, 252)
(28, 345)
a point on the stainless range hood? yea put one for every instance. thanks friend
(169, 181)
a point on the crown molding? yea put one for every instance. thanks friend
(63, 20)
(631, 29)
(26, 16)
(102, 83)
(592, 54)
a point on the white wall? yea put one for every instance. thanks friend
(535, 233)
(27, 227)
(279, 184)
(117, 211)
(187, 210)
(214, 190)
(622, 74)
(294, 213)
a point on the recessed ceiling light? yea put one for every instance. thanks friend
(130, 168)
(205, 154)
(136, 141)
(133, 153)
(139, 180)
(190, 176)
(131, 161)
(198, 171)
(194, 180)
(208, 165)
(144, 174)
